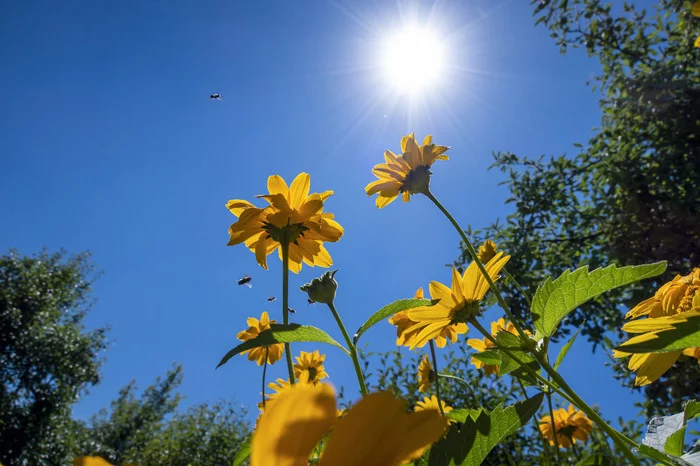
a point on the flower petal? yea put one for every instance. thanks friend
(299, 190)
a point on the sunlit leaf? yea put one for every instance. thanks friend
(554, 299)
(280, 333)
(242, 454)
(389, 310)
(564, 350)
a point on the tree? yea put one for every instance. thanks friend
(630, 196)
(148, 430)
(47, 357)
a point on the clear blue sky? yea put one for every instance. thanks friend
(109, 143)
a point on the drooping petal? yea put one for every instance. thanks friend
(236, 206)
(385, 200)
(290, 427)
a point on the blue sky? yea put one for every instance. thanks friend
(109, 143)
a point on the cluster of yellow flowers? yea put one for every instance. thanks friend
(300, 418)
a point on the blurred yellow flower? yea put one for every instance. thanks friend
(486, 251)
(696, 12)
(294, 216)
(431, 404)
(95, 461)
(485, 344)
(376, 430)
(426, 376)
(674, 299)
(407, 331)
(571, 425)
(408, 173)
(309, 367)
(457, 304)
(255, 328)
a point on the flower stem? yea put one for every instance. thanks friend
(285, 306)
(437, 379)
(548, 394)
(475, 258)
(536, 425)
(464, 382)
(267, 350)
(517, 285)
(351, 347)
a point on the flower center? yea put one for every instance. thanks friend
(417, 181)
(312, 373)
(686, 303)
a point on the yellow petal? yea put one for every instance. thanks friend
(406, 196)
(299, 190)
(261, 252)
(291, 426)
(696, 8)
(90, 461)
(377, 431)
(441, 292)
(477, 344)
(237, 206)
(428, 140)
(277, 185)
(419, 294)
(412, 153)
(383, 201)
(456, 286)
(697, 43)
(654, 366)
(382, 185)
(405, 139)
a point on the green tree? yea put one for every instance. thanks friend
(47, 357)
(148, 429)
(630, 195)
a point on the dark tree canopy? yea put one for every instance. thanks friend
(630, 195)
(47, 357)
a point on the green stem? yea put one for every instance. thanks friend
(464, 382)
(575, 450)
(475, 257)
(554, 426)
(353, 350)
(285, 306)
(437, 379)
(267, 350)
(517, 285)
(536, 425)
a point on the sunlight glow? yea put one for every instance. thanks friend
(413, 59)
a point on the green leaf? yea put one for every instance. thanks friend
(280, 333)
(242, 454)
(554, 299)
(596, 459)
(389, 310)
(461, 415)
(564, 350)
(477, 437)
(489, 357)
(683, 335)
(655, 454)
(508, 365)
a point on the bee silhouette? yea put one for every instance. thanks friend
(215, 97)
(271, 298)
(245, 281)
(291, 310)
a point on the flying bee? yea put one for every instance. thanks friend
(215, 97)
(310, 301)
(291, 310)
(245, 281)
(271, 298)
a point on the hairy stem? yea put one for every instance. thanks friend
(353, 350)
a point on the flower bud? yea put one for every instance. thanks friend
(322, 290)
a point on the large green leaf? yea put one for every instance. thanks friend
(389, 310)
(280, 333)
(684, 334)
(471, 444)
(554, 299)
(242, 454)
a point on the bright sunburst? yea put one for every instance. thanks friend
(413, 59)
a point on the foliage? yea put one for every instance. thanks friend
(147, 429)
(47, 357)
(629, 196)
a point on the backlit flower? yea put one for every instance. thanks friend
(426, 376)
(255, 328)
(376, 430)
(486, 251)
(309, 367)
(294, 217)
(405, 174)
(571, 426)
(430, 403)
(457, 304)
(482, 345)
(674, 299)
(407, 330)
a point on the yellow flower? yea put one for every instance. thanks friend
(431, 404)
(675, 298)
(486, 251)
(485, 344)
(255, 328)
(407, 331)
(95, 461)
(571, 425)
(294, 216)
(376, 430)
(425, 375)
(278, 387)
(457, 304)
(408, 173)
(309, 367)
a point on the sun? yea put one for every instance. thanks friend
(412, 59)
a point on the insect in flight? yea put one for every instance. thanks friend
(215, 97)
(291, 310)
(245, 281)
(310, 301)
(271, 298)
